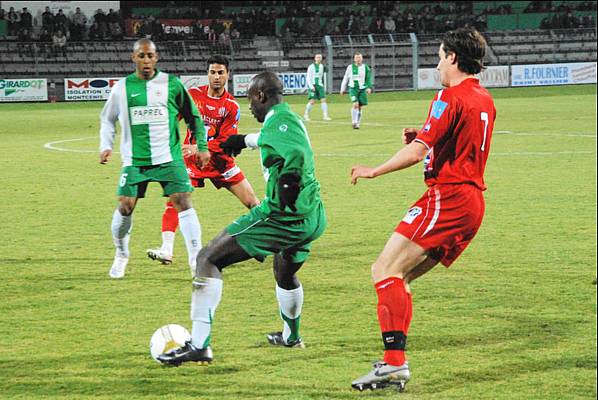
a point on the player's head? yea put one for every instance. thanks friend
(318, 58)
(265, 91)
(217, 72)
(145, 58)
(461, 51)
(358, 58)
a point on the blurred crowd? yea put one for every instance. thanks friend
(212, 23)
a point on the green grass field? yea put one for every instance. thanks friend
(513, 318)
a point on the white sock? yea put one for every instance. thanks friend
(168, 242)
(290, 303)
(121, 230)
(354, 115)
(191, 230)
(205, 298)
(358, 116)
(308, 108)
(325, 109)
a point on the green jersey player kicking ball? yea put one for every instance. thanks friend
(284, 225)
(148, 104)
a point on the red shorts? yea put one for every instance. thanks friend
(444, 220)
(221, 170)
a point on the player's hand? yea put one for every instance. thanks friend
(202, 158)
(104, 156)
(189, 150)
(288, 190)
(409, 134)
(233, 145)
(359, 171)
(368, 91)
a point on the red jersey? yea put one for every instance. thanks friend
(458, 132)
(220, 116)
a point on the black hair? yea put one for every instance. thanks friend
(269, 83)
(218, 59)
(469, 46)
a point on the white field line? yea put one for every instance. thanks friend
(53, 146)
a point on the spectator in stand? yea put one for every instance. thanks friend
(95, 32)
(377, 26)
(146, 29)
(101, 19)
(26, 19)
(311, 27)
(115, 30)
(197, 30)
(48, 20)
(156, 29)
(224, 38)
(61, 22)
(13, 21)
(78, 23)
(59, 43)
(293, 26)
(389, 24)
(212, 38)
(45, 40)
(25, 38)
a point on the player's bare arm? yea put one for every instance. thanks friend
(404, 158)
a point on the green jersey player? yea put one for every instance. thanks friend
(316, 90)
(358, 77)
(284, 225)
(147, 104)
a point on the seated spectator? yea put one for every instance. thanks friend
(95, 32)
(116, 32)
(389, 24)
(377, 26)
(311, 27)
(25, 38)
(45, 40)
(26, 19)
(59, 43)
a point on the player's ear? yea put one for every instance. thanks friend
(261, 96)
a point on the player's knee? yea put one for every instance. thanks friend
(205, 262)
(181, 201)
(126, 207)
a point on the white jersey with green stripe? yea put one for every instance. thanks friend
(359, 76)
(148, 112)
(315, 75)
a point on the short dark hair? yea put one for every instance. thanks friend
(469, 46)
(218, 59)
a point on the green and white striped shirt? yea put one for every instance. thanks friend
(315, 75)
(359, 76)
(148, 112)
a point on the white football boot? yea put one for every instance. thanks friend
(117, 271)
(383, 375)
(160, 255)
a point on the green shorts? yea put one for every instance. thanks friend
(172, 176)
(261, 236)
(358, 96)
(318, 94)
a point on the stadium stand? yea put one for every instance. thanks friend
(277, 37)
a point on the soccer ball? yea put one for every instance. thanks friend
(167, 338)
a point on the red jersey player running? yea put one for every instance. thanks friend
(454, 142)
(221, 114)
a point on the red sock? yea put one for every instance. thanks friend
(170, 218)
(409, 313)
(393, 312)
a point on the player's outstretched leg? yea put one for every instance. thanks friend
(324, 106)
(170, 223)
(187, 353)
(383, 375)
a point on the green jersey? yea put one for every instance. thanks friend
(148, 112)
(285, 148)
(315, 75)
(357, 76)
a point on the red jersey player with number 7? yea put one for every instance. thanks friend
(454, 144)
